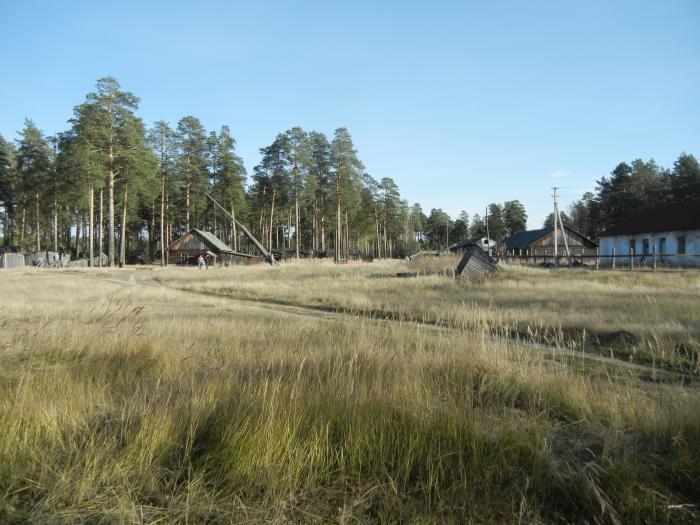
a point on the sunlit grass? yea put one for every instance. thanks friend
(651, 318)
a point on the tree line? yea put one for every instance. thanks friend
(110, 184)
(630, 188)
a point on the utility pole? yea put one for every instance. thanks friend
(447, 233)
(556, 237)
(557, 219)
(488, 237)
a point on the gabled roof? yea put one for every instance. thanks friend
(527, 238)
(662, 218)
(213, 240)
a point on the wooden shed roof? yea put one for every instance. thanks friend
(211, 240)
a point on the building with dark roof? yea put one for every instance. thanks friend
(541, 242)
(670, 231)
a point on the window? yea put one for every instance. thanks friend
(681, 244)
(662, 245)
(645, 247)
(183, 257)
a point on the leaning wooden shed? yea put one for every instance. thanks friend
(476, 263)
(190, 245)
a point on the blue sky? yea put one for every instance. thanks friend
(461, 103)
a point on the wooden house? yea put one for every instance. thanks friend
(670, 232)
(189, 246)
(541, 243)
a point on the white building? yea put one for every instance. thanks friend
(671, 232)
(484, 243)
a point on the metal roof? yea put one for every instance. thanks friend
(216, 244)
(527, 238)
(212, 240)
(661, 218)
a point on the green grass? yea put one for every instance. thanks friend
(143, 404)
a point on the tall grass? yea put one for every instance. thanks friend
(646, 317)
(139, 404)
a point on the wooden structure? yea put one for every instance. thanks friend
(538, 243)
(12, 260)
(269, 258)
(189, 246)
(476, 263)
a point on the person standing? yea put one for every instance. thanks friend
(200, 262)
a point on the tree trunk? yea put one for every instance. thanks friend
(314, 222)
(110, 218)
(38, 229)
(187, 207)
(21, 234)
(386, 241)
(337, 219)
(122, 236)
(233, 229)
(91, 250)
(323, 227)
(102, 231)
(272, 214)
(55, 223)
(296, 218)
(68, 245)
(163, 248)
(347, 237)
(77, 234)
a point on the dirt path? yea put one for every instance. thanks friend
(649, 374)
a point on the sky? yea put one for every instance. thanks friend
(461, 103)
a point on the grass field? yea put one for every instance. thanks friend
(645, 317)
(237, 395)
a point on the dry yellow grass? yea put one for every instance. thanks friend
(123, 400)
(652, 318)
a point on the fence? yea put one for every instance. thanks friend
(11, 260)
(611, 261)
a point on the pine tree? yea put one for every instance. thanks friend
(514, 217)
(228, 174)
(33, 165)
(320, 171)
(496, 224)
(8, 184)
(106, 125)
(347, 175)
(685, 178)
(191, 169)
(162, 139)
(298, 155)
